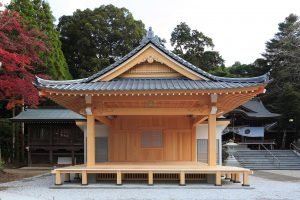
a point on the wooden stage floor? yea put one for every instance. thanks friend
(150, 169)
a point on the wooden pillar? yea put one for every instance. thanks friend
(67, 177)
(218, 179)
(57, 178)
(237, 178)
(246, 179)
(119, 178)
(228, 176)
(150, 178)
(194, 144)
(212, 146)
(232, 177)
(182, 178)
(90, 140)
(84, 180)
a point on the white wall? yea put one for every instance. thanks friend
(202, 133)
(101, 130)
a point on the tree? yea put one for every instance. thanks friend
(283, 57)
(192, 45)
(94, 39)
(37, 14)
(257, 68)
(19, 49)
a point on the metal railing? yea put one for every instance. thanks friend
(295, 148)
(270, 153)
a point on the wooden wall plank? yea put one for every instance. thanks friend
(125, 139)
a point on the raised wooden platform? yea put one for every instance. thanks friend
(180, 169)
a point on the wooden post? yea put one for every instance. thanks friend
(57, 178)
(232, 177)
(194, 144)
(119, 178)
(246, 179)
(228, 176)
(90, 140)
(67, 177)
(237, 178)
(182, 178)
(218, 179)
(212, 146)
(84, 180)
(150, 178)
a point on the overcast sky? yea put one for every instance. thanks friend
(239, 28)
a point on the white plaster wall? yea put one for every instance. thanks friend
(101, 130)
(202, 133)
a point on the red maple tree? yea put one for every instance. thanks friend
(19, 52)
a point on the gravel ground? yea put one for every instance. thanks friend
(262, 188)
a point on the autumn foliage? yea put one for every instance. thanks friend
(19, 52)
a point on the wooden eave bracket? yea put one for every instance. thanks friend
(104, 120)
(199, 120)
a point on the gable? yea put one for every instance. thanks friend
(150, 68)
(145, 57)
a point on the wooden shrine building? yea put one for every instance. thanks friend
(154, 106)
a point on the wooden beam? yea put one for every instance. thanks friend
(212, 146)
(199, 120)
(104, 120)
(151, 111)
(90, 140)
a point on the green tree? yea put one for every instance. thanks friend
(94, 39)
(195, 47)
(257, 68)
(37, 14)
(283, 56)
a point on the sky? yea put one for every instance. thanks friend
(239, 28)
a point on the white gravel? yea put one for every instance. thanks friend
(261, 189)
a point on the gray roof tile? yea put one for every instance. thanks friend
(47, 115)
(127, 84)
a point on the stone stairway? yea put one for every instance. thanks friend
(261, 159)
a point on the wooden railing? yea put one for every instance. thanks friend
(273, 156)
